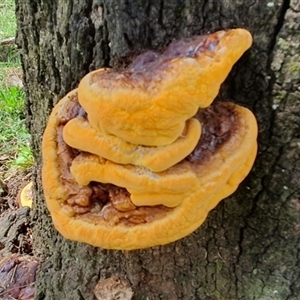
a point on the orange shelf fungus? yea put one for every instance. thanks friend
(163, 90)
(138, 158)
(156, 159)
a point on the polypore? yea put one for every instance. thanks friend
(163, 90)
(156, 159)
(138, 158)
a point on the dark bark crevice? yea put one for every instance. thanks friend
(281, 17)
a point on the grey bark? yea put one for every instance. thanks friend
(14, 236)
(248, 246)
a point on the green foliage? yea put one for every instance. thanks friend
(12, 101)
(9, 55)
(9, 58)
(7, 19)
(14, 138)
(24, 158)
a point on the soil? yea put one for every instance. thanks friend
(18, 266)
(15, 231)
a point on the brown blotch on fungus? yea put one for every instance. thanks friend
(95, 195)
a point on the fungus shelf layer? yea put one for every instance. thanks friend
(164, 90)
(108, 191)
(103, 214)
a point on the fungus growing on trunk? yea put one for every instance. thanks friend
(156, 159)
(164, 91)
(130, 161)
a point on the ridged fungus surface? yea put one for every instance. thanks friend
(138, 158)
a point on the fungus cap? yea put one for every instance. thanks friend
(172, 186)
(149, 103)
(24, 197)
(213, 174)
(156, 159)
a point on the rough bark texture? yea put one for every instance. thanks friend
(248, 247)
(14, 232)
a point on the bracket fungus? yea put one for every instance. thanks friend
(138, 158)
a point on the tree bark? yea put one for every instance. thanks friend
(248, 246)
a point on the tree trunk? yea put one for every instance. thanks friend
(248, 246)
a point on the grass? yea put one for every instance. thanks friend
(9, 57)
(14, 138)
(8, 24)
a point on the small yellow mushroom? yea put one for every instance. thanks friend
(24, 197)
